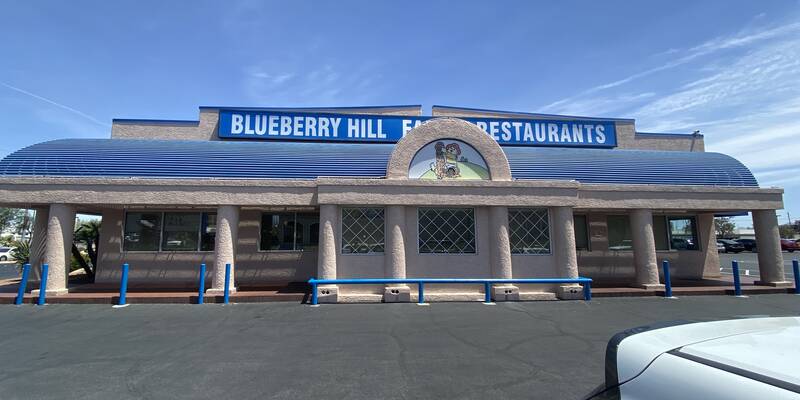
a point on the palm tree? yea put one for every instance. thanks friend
(87, 233)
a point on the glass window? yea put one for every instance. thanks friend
(581, 232)
(142, 231)
(277, 231)
(289, 231)
(307, 231)
(660, 232)
(181, 231)
(446, 230)
(683, 233)
(362, 230)
(529, 231)
(619, 233)
(208, 231)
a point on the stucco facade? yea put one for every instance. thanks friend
(239, 206)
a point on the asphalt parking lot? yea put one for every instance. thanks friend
(364, 351)
(748, 263)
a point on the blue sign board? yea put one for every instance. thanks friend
(291, 126)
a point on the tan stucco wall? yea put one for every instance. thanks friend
(617, 266)
(182, 267)
(100, 192)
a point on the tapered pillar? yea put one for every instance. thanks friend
(768, 242)
(565, 252)
(225, 248)
(326, 261)
(644, 249)
(58, 247)
(707, 233)
(38, 240)
(500, 252)
(395, 254)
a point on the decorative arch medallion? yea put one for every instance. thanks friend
(448, 159)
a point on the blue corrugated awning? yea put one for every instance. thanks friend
(303, 160)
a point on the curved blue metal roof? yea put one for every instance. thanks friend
(305, 160)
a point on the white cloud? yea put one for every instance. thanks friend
(296, 85)
(57, 104)
(714, 45)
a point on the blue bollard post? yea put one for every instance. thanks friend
(43, 285)
(737, 284)
(123, 286)
(587, 291)
(421, 293)
(796, 270)
(227, 291)
(314, 294)
(487, 292)
(202, 284)
(23, 282)
(667, 280)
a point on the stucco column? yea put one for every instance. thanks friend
(564, 250)
(38, 240)
(326, 260)
(500, 253)
(708, 245)
(58, 247)
(644, 249)
(395, 254)
(225, 248)
(768, 242)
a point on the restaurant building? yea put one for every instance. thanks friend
(284, 195)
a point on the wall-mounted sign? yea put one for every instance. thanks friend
(277, 125)
(448, 159)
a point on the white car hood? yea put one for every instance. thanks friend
(763, 345)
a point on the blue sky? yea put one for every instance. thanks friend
(728, 68)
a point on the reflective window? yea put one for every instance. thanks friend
(660, 232)
(529, 231)
(181, 231)
(446, 230)
(619, 233)
(289, 231)
(208, 231)
(142, 231)
(683, 233)
(581, 232)
(362, 230)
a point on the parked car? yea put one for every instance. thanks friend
(789, 245)
(731, 246)
(750, 358)
(5, 253)
(748, 244)
(720, 247)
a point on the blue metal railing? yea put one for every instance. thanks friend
(23, 282)
(43, 285)
(667, 280)
(737, 282)
(420, 282)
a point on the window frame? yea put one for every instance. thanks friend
(586, 229)
(294, 248)
(341, 230)
(608, 231)
(161, 232)
(549, 231)
(474, 232)
(695, 231)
